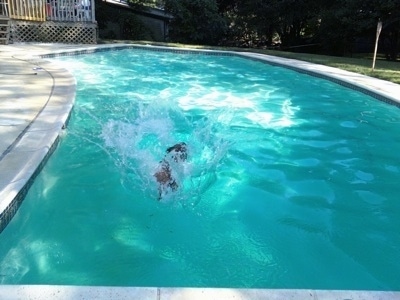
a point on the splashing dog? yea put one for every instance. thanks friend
(164, 175)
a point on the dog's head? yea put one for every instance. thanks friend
(178, 152)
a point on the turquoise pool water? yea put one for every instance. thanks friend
(291, 181)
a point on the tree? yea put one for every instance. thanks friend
(335, 25)
(344, 21)
(296, 20)
(290, 20)
(145, 3)
(195, 21)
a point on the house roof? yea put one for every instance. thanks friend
(152, 12)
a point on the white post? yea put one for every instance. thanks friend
(92, 12)
(378, 32)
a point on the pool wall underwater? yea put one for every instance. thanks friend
(12, 194)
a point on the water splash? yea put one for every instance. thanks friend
(138, 146)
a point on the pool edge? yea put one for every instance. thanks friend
(382, 90)
(62, 292)
(379, 89)
(30, 150)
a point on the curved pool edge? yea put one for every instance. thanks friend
(37, 115)
(61, 292)
(380, 89)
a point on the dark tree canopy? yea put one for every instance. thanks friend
(334, 27)
(195, 21)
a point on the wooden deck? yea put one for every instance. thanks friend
(49, 10)
(4, 30)
(49, 21)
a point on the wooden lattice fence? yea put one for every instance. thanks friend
(54, 32)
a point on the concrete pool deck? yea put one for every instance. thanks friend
(36, 98)
(39, 292)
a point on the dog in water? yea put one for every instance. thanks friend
(174, 155)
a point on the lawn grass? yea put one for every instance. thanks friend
(386, 70)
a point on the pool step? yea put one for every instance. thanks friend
(4, 30)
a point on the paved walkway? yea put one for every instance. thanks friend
(35, 101)
(44, 292)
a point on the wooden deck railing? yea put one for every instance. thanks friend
(53, 10)
(33, 10)
(70, 10)
(4, 8)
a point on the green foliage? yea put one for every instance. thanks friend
(344, 21)
(145, 3)
(334, 26)
(195, 21)
(148, 3)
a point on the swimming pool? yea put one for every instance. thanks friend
(290, 187)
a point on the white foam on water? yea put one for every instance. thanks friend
(139, 145)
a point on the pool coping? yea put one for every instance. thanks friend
(41, 122)
(58, 292)
(380, 89)
(23, 162)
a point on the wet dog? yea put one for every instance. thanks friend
(175, 154)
